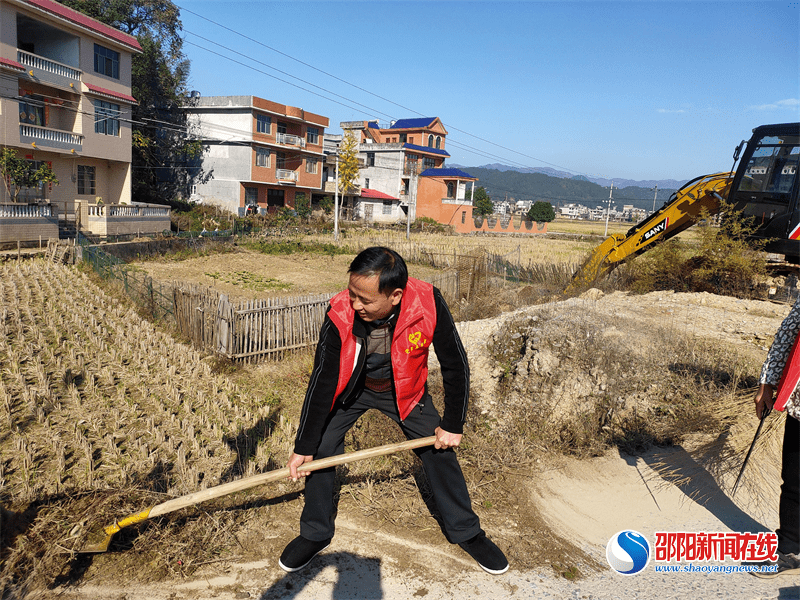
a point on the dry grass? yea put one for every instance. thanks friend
(524, 250)
(579, 382)
(104, 414)
(723, 455)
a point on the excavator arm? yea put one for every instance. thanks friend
(678, 214)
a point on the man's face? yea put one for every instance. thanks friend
(367, 301)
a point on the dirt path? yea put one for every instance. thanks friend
(584, 501)
(590, 500)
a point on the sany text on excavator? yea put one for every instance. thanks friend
(765, 186)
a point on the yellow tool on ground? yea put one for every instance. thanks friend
(100, 540)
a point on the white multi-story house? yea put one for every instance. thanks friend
(403, 167)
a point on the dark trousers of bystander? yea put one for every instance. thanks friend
(459, 521)
(789, 531)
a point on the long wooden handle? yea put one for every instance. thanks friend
(249, 482)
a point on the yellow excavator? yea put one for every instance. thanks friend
(765, 186)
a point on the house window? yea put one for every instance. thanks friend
(106, 117)
(387, 207)
(430, 141)
(438, 142)
(311, 165)
(263, 124)
(463, 216)
(451, 189)
(250, 196)
(262, 157)
(428, 163)
(31, 111)
(366, 182)
(312, 135)
(86, 180)
(275, 197)
(411, 140)
(280, 160)
(281, 127)
(370, 159)
(403, 138)
(106, 61)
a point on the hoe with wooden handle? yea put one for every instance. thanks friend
(99, 541)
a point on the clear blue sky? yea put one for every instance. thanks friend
(634, 90)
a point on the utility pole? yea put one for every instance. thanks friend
(608, 209)
(412, 199)
(654, 199)
(336, 203)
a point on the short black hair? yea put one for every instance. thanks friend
(384, 262)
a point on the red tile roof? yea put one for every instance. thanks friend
(367, 193)
(104, 92)
(11, 64)
(80, 19)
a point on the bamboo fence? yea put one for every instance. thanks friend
(269, 328)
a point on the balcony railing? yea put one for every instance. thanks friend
(286, 175)
(25, 211)
(290, 140)
(127, 210)
(48, 66)
(65, 140)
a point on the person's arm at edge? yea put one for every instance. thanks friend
(455, 375)
(775, 363)
(319, 398)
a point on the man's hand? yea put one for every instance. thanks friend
(295, 460)
(763, 399)
(445, 439)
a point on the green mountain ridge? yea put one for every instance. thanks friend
(513, 186)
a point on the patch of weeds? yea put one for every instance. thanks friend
(284, 247)
(570, 573)
(250, 281)
(725, 260)
(221, 365)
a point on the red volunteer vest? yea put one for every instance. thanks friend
(410, 343)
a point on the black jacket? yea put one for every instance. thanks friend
(322, 385)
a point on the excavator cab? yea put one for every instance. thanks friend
(766, 187)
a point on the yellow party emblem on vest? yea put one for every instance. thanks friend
(416, 340)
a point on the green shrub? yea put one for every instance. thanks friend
(723, 261)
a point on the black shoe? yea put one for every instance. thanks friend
(787, 564)
(300, 552)
(490, 558)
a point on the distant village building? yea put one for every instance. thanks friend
(65, 100)
(262, 154)
(404, 162)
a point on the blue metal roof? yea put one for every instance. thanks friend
(373, 125)
(457, 173)
(412, 123)
(426, 149)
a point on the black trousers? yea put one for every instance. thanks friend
(444, 474)
(789, 531)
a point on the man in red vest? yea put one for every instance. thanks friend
(373, 353)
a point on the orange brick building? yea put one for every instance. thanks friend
(261, 153)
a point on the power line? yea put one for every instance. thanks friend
(240, 34)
